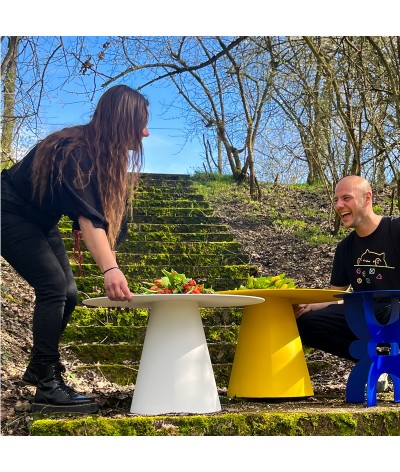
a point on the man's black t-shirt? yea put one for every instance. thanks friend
(371, 262)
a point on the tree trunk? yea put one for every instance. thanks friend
(8, 120)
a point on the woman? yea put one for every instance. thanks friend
(80, 172)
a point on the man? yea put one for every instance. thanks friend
(367, 259)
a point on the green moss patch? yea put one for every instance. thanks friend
(382, 423)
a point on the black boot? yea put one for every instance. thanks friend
(54, 396)
(30, 376)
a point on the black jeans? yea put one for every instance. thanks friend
(41, 259)
(326, 329)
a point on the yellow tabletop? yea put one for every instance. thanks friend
(269, 359)
(294, 295)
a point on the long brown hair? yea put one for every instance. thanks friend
(113, 142)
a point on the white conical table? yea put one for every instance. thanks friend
(175, 372)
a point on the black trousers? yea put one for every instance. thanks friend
(41, 259)
(327, 329)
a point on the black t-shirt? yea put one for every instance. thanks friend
(371, 262)
(67, 197)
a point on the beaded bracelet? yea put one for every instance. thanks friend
(111, 268)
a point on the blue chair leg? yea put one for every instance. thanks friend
(358, 378)
(372, 382)
(396, 386)
(380, 365)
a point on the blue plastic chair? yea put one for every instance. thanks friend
(360, 316)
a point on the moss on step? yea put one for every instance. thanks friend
(116, 334)
(175, 211)
(162, 199)
(137, 273)
(173, 228)
(176, 247)
(377, 423)
(171, 260)
(103, 334)
(220, 352)
(181, 247)
(158, 236)
(107, 353)
(126, 374)
(85, 316)
(116, 373)
(199, 219)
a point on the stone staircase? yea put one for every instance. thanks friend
(172, 228)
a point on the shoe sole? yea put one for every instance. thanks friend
(46, 408)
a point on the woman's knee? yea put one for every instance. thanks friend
(53, 286)
(71, 296)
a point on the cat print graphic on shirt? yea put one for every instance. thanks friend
(371, 266)
(372, 259)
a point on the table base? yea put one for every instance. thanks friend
(269, 360)
(175, 373)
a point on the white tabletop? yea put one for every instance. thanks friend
(202, 300)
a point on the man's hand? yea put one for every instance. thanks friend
(305, 308)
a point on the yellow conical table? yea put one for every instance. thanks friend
(269, 359)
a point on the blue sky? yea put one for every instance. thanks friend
(166, 150)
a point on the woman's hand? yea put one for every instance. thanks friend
(116, 285)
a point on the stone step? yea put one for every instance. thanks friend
(167, 247)
(174, 228)
(195, 237)
(161, 198)
(119, 334)
(148, 177)
(179, 189)
(126, 374)
(142, 231)
(183, 219)
(123, 353)
(239, 418)
(169, 260)
(147, 273)
(138, 317)
(174, 211)
(181, 247)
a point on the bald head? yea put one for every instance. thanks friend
(353, 183)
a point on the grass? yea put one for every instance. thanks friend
(306, 225)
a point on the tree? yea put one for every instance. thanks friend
(8, 74)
